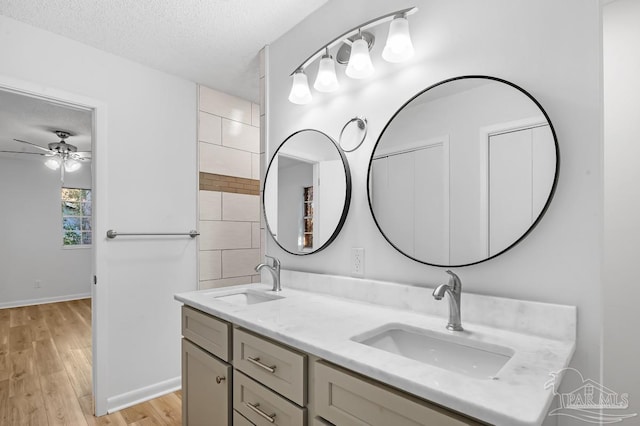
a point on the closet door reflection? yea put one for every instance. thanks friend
(416, 179)
(519, 176)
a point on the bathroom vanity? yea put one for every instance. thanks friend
(317, 353)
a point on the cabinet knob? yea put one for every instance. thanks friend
(220, 379)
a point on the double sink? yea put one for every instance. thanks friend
(449, 350)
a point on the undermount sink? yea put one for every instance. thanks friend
(475, 359)
(246, 297)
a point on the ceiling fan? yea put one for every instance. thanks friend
(59, 155)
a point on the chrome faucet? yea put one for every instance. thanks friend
(274, 271)
(454, 289)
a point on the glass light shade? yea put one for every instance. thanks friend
(326, 80)
(300, 93)
(53, 162)
(360, 65)
(399, 47)
(71, 165)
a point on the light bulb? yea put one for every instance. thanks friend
(53, 162)
(300, 93)
(398, 47)
(71, 165)
(326, 80)
(360, 65)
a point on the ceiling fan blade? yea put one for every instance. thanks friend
(33, 144)
(81, 155)
(22, 152)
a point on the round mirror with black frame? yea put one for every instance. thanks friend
(463, 171)
(307, 192)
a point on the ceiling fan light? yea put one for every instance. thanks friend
(360, 65)
(53, 162)
(71, 165)
(399, 47)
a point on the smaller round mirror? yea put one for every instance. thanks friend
(307, 192)
(353, 134)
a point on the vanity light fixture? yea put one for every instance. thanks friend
(326, 80)
(355, 46)
(300, 93)
(398, 47)
(360, 65)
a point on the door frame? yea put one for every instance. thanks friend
(99, 267)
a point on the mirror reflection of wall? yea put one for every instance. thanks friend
(462, 171)
(307, 192)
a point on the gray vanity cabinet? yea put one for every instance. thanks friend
(206, 375)
(271, 384)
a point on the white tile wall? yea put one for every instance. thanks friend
(255, 115)
(230, 143)
(255, 165)
(224, 105)
(210, 205)
(255, 235)
(209, 128)
(210, 265)
(236, 263)
(217, 235)
(240, 207)
(240, 136)
(225, 161)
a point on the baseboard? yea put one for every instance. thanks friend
(128, 399)
(42, 301)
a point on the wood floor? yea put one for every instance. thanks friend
(45, 371)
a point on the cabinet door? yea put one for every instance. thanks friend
(346, 399)
(206, 388)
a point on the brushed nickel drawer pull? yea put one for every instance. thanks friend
(220, 379)
(268, 417)
(256, 361)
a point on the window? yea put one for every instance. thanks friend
(76, 217)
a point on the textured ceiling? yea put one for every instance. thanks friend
(34, 120)
(212, 42)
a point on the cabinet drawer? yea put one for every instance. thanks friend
(211, 334)
(346, 399)
(206, 388)
(262, 406)
(275, 366)
(317, 421)
(240, 420)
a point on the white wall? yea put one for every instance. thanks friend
(621, 291)
(549, 48)
(150, 185)
(31, 235)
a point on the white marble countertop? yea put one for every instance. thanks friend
(323, 325)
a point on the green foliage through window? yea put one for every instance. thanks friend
(76, 216)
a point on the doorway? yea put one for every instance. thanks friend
(77, 246)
